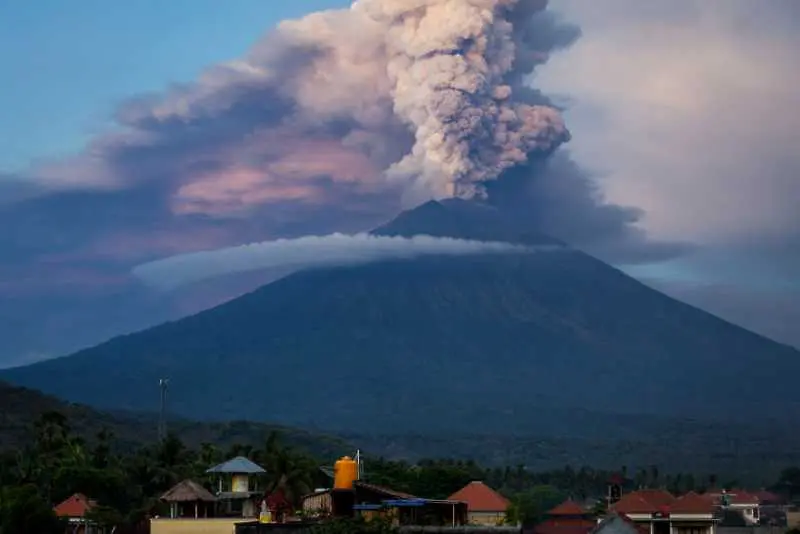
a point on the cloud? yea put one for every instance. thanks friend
(311, 251)
(685, 107)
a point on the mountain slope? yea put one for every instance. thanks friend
(22, 406)
(496, 343)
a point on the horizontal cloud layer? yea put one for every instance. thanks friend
(312, 251)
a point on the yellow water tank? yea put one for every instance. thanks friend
(345, 472)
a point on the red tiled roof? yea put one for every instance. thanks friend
(632, 503)
(765, 496)
(480, 498)
(75, 506)
(656, 497)
(739, 496)
(692, 503)
(584, 526)
(646, 501)
(568, 507)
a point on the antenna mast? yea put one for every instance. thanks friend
(163, 383)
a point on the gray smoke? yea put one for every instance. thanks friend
(450, 66)
(428, 97)
(310, 251)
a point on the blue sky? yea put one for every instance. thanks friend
(70, 62)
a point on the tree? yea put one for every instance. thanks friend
(530, 507)
(287, 470)
(23, 510)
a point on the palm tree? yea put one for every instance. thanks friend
(287, 470)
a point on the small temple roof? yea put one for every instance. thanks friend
(188, 491)
(238, 465)
(75, 506)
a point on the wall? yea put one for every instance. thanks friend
(460, 530)
(195, 526)
(487, 518)
(751, 530)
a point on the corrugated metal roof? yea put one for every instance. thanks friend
(238, 465)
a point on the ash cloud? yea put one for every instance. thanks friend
(312, 251)
(361, 112)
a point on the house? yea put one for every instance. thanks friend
(567, 518)
(75, 510)
(238, 490)
(738, 500)
(484, 505)
(659, 512)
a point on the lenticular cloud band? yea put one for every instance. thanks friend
(309, 251)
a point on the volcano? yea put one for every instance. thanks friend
(493, 343)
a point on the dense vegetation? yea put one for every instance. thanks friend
(133, 430)
(57, 463)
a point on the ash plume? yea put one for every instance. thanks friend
(411, 99)
(311, 251)
(451, 66)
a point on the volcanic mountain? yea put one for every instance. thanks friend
(483, 343)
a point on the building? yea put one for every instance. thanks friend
(188, 499)
(738, 500)
(371, 501)
(484, 505)
(75, 510)
(659, 512)
(567, 518)
(195, 510)
(239, 491)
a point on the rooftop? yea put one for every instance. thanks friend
(567, 508)
(480, 498)
(75, 506)
(655, 501)
(188, 491)
(239, 466)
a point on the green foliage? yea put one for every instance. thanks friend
(23, 510)
(530, 506)
(57, 462)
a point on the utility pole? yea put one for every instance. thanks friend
(163, 383)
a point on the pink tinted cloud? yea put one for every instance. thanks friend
(300, 172)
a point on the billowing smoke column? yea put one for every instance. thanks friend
(451, 71)
(449, 63)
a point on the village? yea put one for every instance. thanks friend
(236, 503)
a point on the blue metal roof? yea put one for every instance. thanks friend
(238, 465)
(405, 502)
(367, 507)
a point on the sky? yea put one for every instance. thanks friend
(682, 115)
